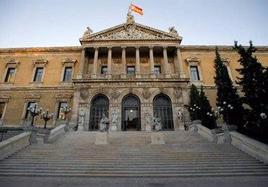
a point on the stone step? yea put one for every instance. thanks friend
(134, 174)
(70, 164)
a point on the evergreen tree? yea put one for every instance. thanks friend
(207, 116)
(254, 85)
(227, 96)
(194, 105)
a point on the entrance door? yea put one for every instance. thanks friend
(131, 113)
(99, 106)
(163, 110)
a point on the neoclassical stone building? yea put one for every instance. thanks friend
(130, 72)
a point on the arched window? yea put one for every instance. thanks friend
(99, 106)
(163, 110)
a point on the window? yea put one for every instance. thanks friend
(104, 70)
(131, 70)
(27, 113)
(10, 75)
(2, 108)
(157, 70)
(67, 77)
(38, 74)
(194, 73)
(61, 105)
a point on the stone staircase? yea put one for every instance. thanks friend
(131, 154)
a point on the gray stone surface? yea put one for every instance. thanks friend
(133, 182)
(157, 138)
(101, 138)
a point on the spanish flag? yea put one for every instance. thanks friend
(136, 9)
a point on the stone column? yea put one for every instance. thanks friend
(180, 64)
(151, 51)
(82, 64)
(109, 63)
(138, 67)
(95, 62)
(124, 63)
(75, 107)
(165, 65)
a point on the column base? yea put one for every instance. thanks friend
(109, 76)
(182, 75)
(93, 76)
(138, 76)
(123, 76)
(167, 76)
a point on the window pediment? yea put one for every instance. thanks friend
(68, 61)
(12, 63)
(40, 62)
(193, 61)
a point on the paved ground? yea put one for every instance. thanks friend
(131, 182)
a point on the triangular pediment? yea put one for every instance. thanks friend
(131, 32)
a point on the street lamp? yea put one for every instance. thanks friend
(46, 116)
(34, 111)
(66, 109)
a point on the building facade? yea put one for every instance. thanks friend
(130, 73)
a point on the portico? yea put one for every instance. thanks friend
(133, 72)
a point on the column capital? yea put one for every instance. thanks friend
(109, 47)
(151, 47)
(137, 47)
(123, 47)
(165, 47)
(96, 47)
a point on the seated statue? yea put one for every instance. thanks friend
(157, 124)
(104, 123)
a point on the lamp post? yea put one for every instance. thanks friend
(46, 116)
(195, 109)
(34, 111)
(66, 109)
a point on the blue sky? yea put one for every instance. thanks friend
(32, 23)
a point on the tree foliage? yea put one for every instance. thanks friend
(227, 97)
(254, 82)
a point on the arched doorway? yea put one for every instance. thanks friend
(99, 105)
(131, 113)
(163, 110)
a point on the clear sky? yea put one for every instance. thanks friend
(44, 23)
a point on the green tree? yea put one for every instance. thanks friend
(194, 105)
(207, 116)
(227, 97)
(254, 83)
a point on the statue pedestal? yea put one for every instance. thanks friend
(148, 128)
(157, 138)
(80, 127)
(101, 138)
(113, 127)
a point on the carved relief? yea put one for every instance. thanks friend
(146, 93)
(84, 93)
(114, 93)
(177, 92)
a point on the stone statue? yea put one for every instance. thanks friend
(148, 121)
(130, 18)
(173, 31)
(87, 33)
(180, 114)
(114, 117)
(157, 124)
(104, 123)
(81, 120)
